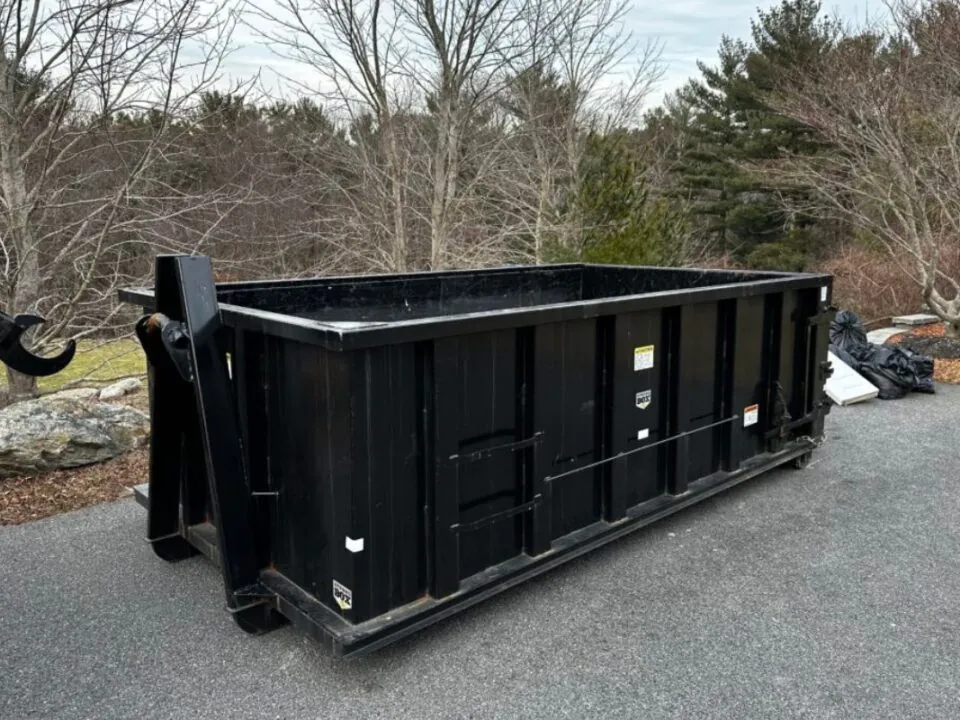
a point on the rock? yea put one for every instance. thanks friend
(62, 431)
(119, 389)
(916, 319)
(75, 394)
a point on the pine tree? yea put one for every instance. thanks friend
(620, 222)
(731, 124)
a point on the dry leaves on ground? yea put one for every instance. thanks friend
(33, 497)
(947, 371)
(934, 330)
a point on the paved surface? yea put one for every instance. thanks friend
(828, 593)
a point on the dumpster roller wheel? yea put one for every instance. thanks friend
(173, 548)
(258, 619)
(802, 461)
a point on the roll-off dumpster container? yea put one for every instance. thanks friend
(366, 455)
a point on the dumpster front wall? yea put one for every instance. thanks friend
(347, 467)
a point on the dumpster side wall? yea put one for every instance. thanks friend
(405, 470)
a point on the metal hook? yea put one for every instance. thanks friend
(22, 360)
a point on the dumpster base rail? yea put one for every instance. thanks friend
(347, 640)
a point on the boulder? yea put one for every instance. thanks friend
(121, 388)
(75, 394)
(64, 431)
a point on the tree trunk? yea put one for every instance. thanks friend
(947, 310)
(542, 200)
(25, 295)
(26, 290)
(395, 180)
(20, 387)
(445, 170)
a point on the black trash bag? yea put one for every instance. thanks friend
(923, 370)
(895, 371)
(888, 369)
(846, 331)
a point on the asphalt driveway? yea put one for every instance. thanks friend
(832, 592)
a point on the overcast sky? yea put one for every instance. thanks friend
(688, 30)
(691, 30)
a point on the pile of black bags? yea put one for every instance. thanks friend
(894, 370)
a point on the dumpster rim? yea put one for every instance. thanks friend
(375, 334)
(138, 293)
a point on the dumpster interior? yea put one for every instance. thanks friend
(353, 302)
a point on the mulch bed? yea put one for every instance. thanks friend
(32, 497)
(931, 340)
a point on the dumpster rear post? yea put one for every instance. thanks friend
(364, 456)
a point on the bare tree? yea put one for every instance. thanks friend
(410, 78)
(356, 49)
(441, 175)
(890, 106)
(82, 161)
(583, 73)
(462, 52)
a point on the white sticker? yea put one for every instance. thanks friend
(643, 357)
(823, 294)
(342, 595)
(751, 415)
(643, 434)
(354, 546)
(644, 398)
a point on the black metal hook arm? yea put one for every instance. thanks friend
(22, 360)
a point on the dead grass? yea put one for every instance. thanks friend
(95, 364)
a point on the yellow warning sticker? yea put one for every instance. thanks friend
(643, 358)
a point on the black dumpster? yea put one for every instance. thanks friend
(364, 456)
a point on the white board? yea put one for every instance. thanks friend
(846, 386)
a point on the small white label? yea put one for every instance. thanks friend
(643, 358)
(643, 434)
(751, 415)
(343, 595)
(644, 398)
(823, 294)
(354, 546)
